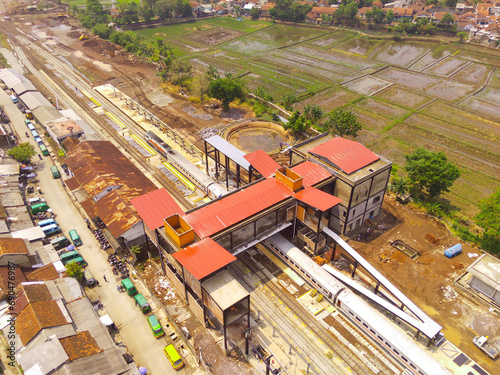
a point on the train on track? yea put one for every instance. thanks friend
(211, 188)
(409, 354)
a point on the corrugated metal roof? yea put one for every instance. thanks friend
(97, 165)
(349, 156)
(34, 99)
(317, 198)
(46, 113)
(204, 258)
(155, 206)
(311, 173)
(11, 77)
(262, 162)
(22, 87)
(232, 152)
(233, 208)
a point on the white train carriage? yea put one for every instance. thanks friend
(184, 166)
(371, 321)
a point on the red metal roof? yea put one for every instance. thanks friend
(203, 258)
(349, 156)
(317, 198)
(262, 162)
(233, 208)
(311, 173)
(155, 206)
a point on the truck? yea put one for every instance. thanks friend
(490, 348)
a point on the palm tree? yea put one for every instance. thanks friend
(316, 113)
(399, 186)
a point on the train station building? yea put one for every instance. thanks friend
(329, 182)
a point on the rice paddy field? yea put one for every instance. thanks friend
(441, 96)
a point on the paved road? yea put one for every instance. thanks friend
(137, 336)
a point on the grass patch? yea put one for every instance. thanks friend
(3, 62)
(175, 30)
(246, 26)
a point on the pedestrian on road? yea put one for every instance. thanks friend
(104, 277)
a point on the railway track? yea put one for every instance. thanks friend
(36, 62)
(308, 320)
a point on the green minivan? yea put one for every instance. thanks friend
(142, 303)
(155, 326)
(129, 287)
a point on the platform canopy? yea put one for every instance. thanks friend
(204, 258)
(317, 198)
(230, 151)
(262, 162)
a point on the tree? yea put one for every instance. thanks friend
(290, 10)
(399, 185)
(389, 16)
(22, 152)
(200, 85)
(488, 219)
(212, 72)
(451, 3)
(226, 90)
(74, 270)
(254, 13)
(343, 123)
(297, 123)
(377, 15)
(288, 101)
(447, 20)
(430, 171)
(312, 113)
(462, 35)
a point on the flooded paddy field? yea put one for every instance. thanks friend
(444, 96)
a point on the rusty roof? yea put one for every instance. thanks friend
(36, 292)
(45, 273)
(13, 246)
(118, 215)
(317, 198)
(311, 173)
(235, 207)
(28, 294)
(111, 180)
(72, 183)
(155, 206)
(262, 162)
(37, 316)
(80, 345)
(204, 258)
(348, 156)
(4, 279)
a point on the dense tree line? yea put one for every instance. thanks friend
(290, 10)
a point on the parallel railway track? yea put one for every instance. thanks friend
(37, 62)
(308, 320)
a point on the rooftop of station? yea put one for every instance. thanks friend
(204, 258)
(233, 208)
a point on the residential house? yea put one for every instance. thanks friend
(315, 14)
(362, 11)
(377, 4)
(401, 13)
(265, 9)
(438, 16)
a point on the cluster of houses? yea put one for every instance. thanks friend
(481, 20)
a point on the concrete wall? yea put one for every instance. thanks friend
(380, 182)
(195, 308)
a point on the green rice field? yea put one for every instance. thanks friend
(409, 94)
